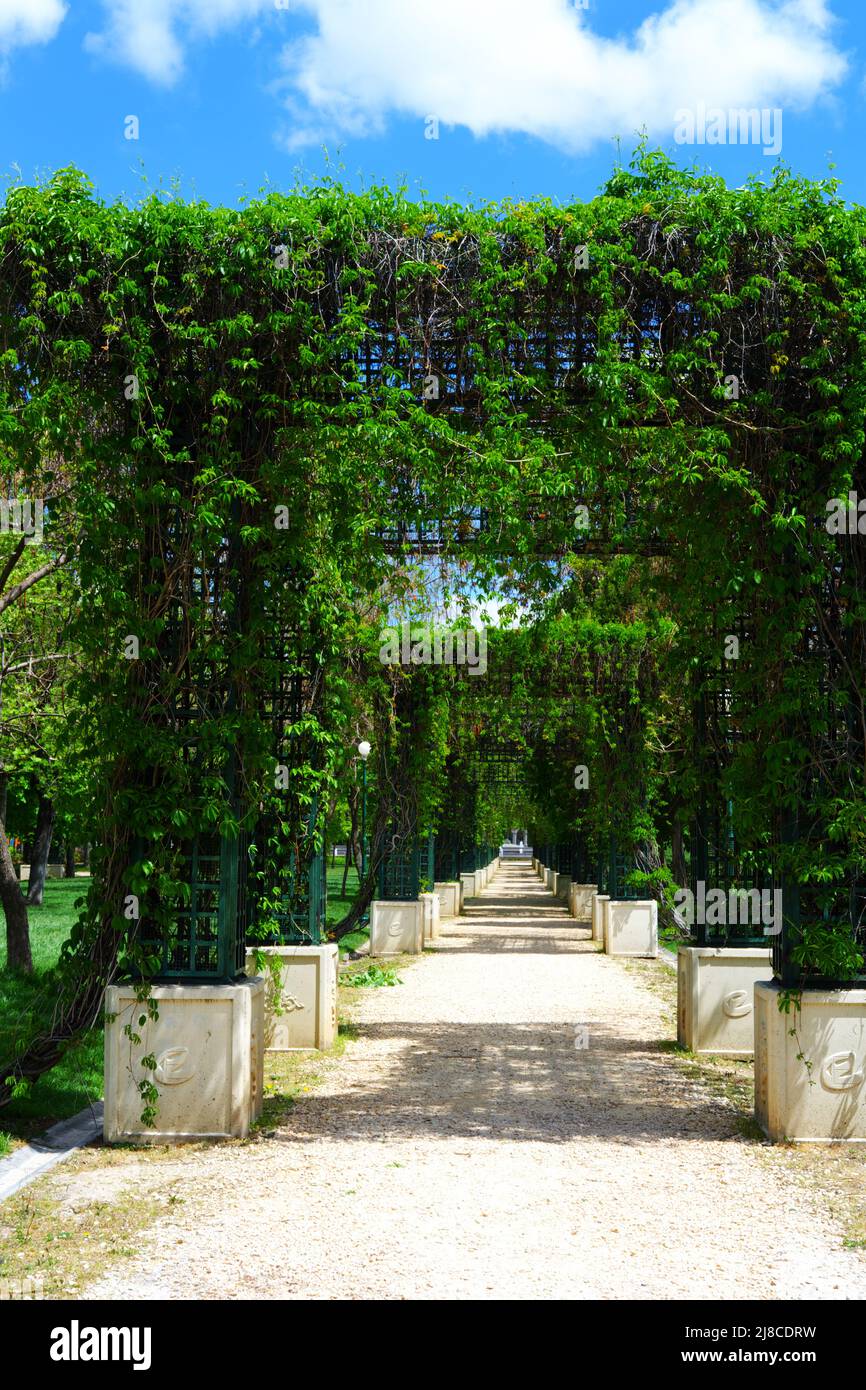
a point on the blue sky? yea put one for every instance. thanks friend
(528, 94)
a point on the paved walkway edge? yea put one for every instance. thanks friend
(58, 1143)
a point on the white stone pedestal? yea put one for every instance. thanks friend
(563, 886)
(597, 915)
(580, 900)
(23, 873)
(715, 1005)
(468, 883)
(300, 995)
(397, 928)
(631, 927)
(823, 1095)
(430, 916)
(208, 1044)
(448, 894)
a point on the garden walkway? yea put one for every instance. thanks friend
(462, 1147)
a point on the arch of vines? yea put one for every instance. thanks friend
(388, 378)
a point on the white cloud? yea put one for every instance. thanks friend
(29, 21)
(149, 35)
(538, 69)
(530, 66)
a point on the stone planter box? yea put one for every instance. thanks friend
(429, 916)
(597, 915)
(467, 884)
(563, 886)
(208, 1043)
(631, 927)
(396, 928)
(549, 879)
(300, 995)
(51, 871)
(448, 894)
(715, 997)
(822, 1097)
(580, 900)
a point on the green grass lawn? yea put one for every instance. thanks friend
(77, 1079)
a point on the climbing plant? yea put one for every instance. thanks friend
(265, 413)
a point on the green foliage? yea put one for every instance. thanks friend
(190, 371)
(374, 977)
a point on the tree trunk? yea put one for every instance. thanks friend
(354, 844)
(41, 850)
(18, 955)
(678, 858)
(69, 871)
(367, 889)
(345, 871)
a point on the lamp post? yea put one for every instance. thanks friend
(364, 750)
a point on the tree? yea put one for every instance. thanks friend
(35, 603)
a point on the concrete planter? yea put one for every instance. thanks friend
(208, 1043)
(448, 894)
(715, 1005)
(824, 1096)
(396, 928)
(549, 879)
(563, 886)
(580, 900)
(51, 871)
(300, 995)
(467, 884)
(429, 916)
(631, 927)
(597, 915)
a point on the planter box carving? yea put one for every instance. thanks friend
(209, 1045)
(396, 928)
(715, 997)
(824, 1096)
(300, 1005)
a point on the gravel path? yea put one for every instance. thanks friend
(463, 1148)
